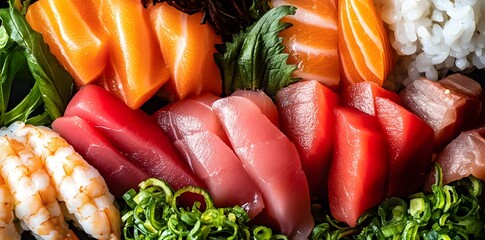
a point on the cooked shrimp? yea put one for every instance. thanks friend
(78, 184)
(8, 229)
(33, 194)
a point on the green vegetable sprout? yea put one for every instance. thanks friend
(448, 212)
(154, 213)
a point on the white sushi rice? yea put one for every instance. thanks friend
(435, 36)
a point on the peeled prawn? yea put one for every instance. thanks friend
(7, 226)
(33, 194)
(78, 184)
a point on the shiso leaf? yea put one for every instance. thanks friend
(254, 59)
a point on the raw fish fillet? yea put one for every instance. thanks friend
(200, 139)
(272, 161)
(134, 133)
(120, 174)
(307, 118)
(263, 101)
(465, 155)
(445, 107)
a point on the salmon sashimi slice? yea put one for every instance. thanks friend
(121, 175)
(81, 47)
(307, 117)
(312, 41)
(188, 47)
(272, 161)
(90, 14)
(136, 67)
(364, 47)
(196, 132)
(263, 101)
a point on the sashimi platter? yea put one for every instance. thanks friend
(242, 119)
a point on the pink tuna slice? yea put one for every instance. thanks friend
(197, 134)
(444, 107)
(120, 174)
(272, 161)
(263, 101)
(195, 114)
(218, 166)
(464, 156)
(307, 118)
(134, 133)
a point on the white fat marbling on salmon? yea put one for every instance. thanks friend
(368, 34)
(308, 17)
(327, 81)
(353, 54)
(300, 47)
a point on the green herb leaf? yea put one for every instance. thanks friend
(254, 59)
(154, 213)
(53, 85)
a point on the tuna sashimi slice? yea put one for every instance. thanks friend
(307, 118)
(120, 174)
(410, 144)
(190, 116)
(445, 107)
(362, 96)
(272, 161)
(202, 142)
(358, 172)
(221, 170)
(263, 101)
(464, 156)
(134, 133)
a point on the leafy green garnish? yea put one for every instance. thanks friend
(449, 212)
(255, 59)
(25, 59)
(153, 213)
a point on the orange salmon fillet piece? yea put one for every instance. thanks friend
(364, 47)
(188, 48)
(312, 40)
(80, 46)
(136, 68)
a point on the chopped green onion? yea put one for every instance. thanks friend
(154, 213)
(449, 212)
